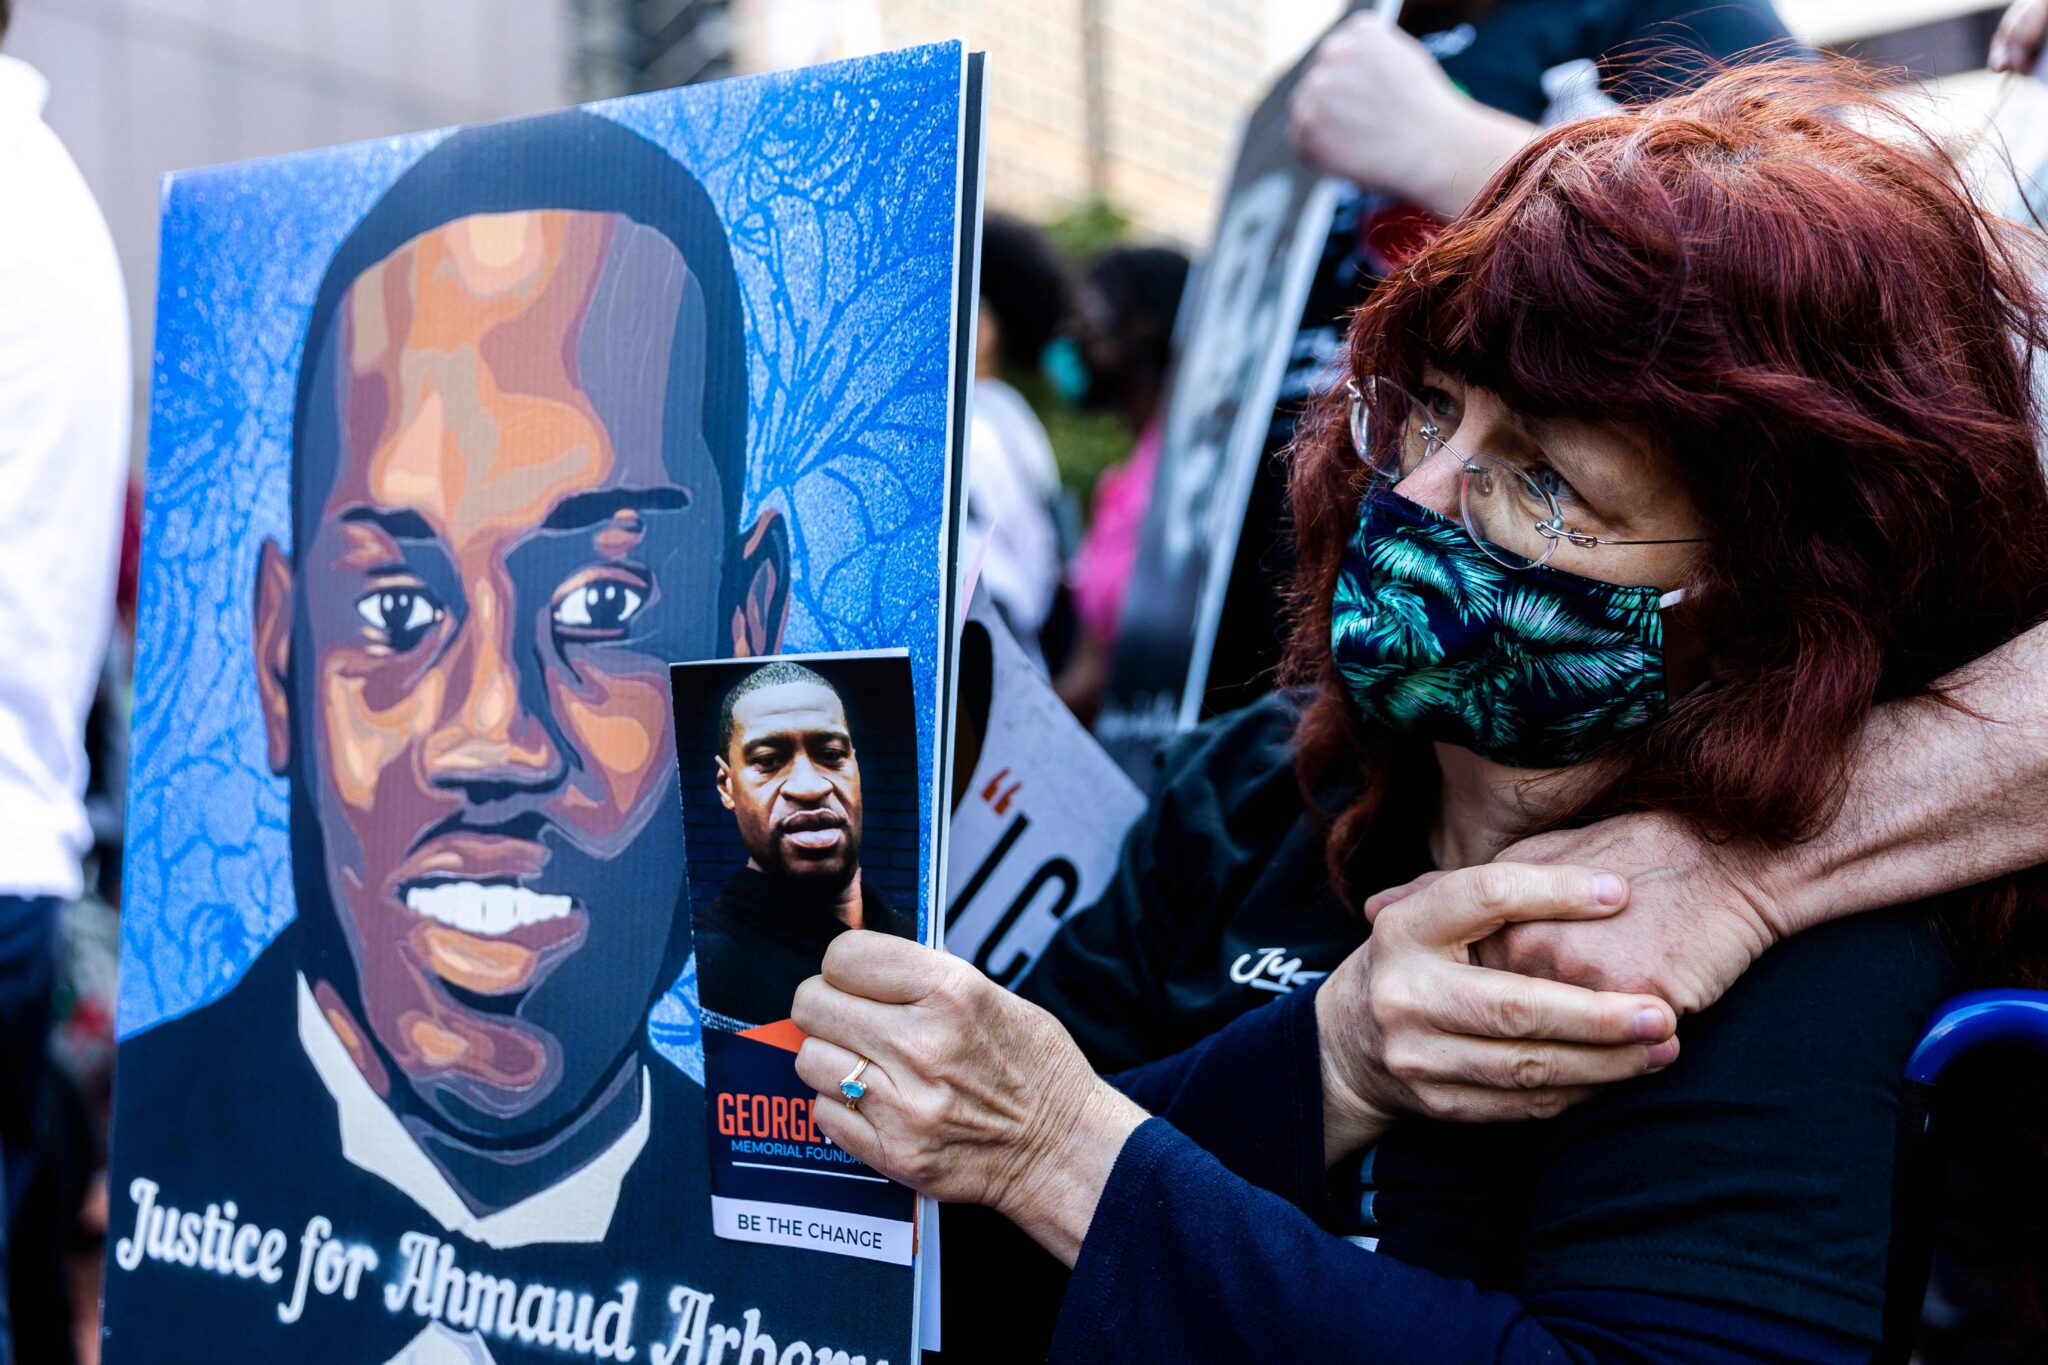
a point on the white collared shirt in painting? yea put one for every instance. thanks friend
(440, 1344)
(64, 414)
(578, 1208)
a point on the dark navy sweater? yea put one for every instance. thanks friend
(1733, 1208)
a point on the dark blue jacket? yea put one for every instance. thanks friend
(1733, 1208)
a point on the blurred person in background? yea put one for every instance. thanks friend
(64, 417)
(2016, 46)
(1013, 482)
(1115, 361)
(1427, 120)
(66, 1202)
(1419, 117)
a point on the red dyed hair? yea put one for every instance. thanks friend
(1831, 341)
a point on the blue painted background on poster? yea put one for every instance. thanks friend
(837, 188)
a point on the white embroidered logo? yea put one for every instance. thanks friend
(1268, 969)
(1450, 42)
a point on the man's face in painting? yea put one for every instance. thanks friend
(471, 669)
(791, 779)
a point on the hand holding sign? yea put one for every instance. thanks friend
(973, 1095)
(1375, 108)
(2017, 44)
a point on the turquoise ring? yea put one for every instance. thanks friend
(852, 1088)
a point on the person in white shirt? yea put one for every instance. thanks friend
(64, 418)
(1013, 482)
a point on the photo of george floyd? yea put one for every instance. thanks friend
(799, 790)
(800, 793)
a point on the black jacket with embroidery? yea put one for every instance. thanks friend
(1732, 1208)
(1221, 899)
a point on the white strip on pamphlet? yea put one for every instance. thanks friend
(793, 1225)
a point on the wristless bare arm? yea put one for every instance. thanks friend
(1938, 797)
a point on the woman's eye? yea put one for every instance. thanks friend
(599, 607)
(402, 616)
(1553, 483)
(1443, 409)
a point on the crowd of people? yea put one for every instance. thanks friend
(1630, 721)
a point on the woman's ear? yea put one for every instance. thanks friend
(273, 649)
(763, 607)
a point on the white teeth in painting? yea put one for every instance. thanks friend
(488, 910)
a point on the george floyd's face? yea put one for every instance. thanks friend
(511, 550)
(792, 781)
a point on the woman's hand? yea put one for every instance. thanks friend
(1411, 1024)
(973, 1096)
(1375, 108)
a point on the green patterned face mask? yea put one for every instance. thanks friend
(1534, 668)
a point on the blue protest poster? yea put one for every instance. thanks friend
(458, 442)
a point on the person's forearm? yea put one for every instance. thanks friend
(1191, 1263)
(1481, 141)
(1268, 1061)
(1938, 798)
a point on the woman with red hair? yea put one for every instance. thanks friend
(1704, 431)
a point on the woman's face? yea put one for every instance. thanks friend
(1609, 482)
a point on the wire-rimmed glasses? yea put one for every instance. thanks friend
(1510, 516)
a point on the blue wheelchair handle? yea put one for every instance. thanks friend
(1974, 1019)
(1960, 1025)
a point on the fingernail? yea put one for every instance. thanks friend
(1650, 1024)
(1607, 889)
(1660, 1055)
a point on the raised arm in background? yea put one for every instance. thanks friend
(2017, 44)
(1375, 108)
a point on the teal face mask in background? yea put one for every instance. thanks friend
(1533, 668)
(1066, 368)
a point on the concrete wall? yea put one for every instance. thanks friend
(141, 87)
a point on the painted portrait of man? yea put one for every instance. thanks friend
(788, 768)
(519, 450)
(519, 443)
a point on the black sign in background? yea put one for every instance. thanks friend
(1234, 339)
